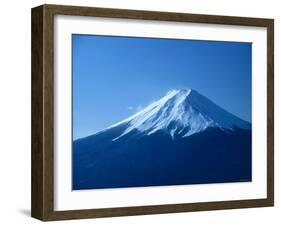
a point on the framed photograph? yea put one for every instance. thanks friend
(141, 112)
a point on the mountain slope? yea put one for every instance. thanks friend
(183, 138)
(181, 112)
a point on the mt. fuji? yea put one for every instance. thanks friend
(183, 138)
(181, 113)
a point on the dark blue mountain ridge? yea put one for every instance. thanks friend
(183, 138)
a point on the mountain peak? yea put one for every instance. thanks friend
(181, 113)
(183, 91)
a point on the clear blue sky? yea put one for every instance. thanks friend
(113, 77)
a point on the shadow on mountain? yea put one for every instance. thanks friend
(211, 156)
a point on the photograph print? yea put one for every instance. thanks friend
(160, 112)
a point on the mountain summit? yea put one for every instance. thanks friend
(183, 138)
(181, 113)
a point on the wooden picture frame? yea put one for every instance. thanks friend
(42, 204)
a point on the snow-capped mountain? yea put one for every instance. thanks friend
(183, 138)
(180, 113)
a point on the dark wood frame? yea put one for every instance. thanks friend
(42, 203)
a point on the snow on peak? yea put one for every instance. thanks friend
(181, 113)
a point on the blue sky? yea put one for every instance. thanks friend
(113, 77)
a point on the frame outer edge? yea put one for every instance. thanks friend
(42, 204)
(42, 48)
(156, 15)
(270, 112)
(37, 113)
